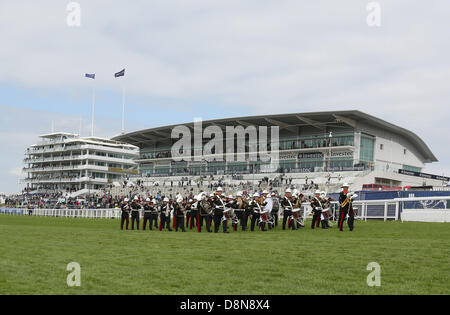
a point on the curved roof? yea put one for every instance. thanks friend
(319, 120)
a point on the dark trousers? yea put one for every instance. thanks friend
(286, 215)
(350, 220)
(179, 224)
(164, 222)
(188, 218)
(153, 221)
(217, 219)
(255, 218)
(244, 222)
(125, 217)
(134, 217)
(316, 219)
(145, 219)
(192, 220)
(207, 221)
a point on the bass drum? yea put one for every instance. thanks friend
(228, 214)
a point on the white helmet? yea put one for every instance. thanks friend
(153, 200)
(318, 192)
(295, 192)
(345, 185)
(265, 192)
(191, 201)
(256, 194)
(179, 199)
(219, 189)
(230, 196)
(239, 194)
(288, 191)
(148, 199)
(166, 199)
(126, 200)
(136, 198)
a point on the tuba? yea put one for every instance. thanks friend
(206, 207)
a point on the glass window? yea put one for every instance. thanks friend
(411, 168)
(367, 148)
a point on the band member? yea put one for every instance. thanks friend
(345, 208)
(219, 207)
(187, 212)
(211, 203)
(125, 213)
(316, 209)
(135, 209)
(148, 207)
(179, 210)
(326, 205)
(240, 209)
(287, 204)
(275, 208)
(267, 205)
(164, 216)
(194, 212)
(300, 198)
(154, 215)
(228, 214)
(204, 209)
(255, 207)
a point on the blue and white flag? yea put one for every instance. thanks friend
(90, 76)
(120, 74)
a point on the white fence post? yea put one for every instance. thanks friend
(397, 207)
(385, 210)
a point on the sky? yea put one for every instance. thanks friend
(216, 59)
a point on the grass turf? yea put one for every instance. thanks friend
(35, 251)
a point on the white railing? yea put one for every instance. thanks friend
(67, 213)
(428, 209)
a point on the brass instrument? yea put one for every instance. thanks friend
(206, 208)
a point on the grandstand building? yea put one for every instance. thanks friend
(325, 146)
(67, 162)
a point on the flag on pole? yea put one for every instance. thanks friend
(90, 76)
(120, 74)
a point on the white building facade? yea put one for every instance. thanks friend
(310, 145)
(69, 163)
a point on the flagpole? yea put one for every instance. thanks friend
(93, 110)
(123, 109)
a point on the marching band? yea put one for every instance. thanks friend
(219, 210)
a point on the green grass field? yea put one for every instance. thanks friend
(35, 251)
